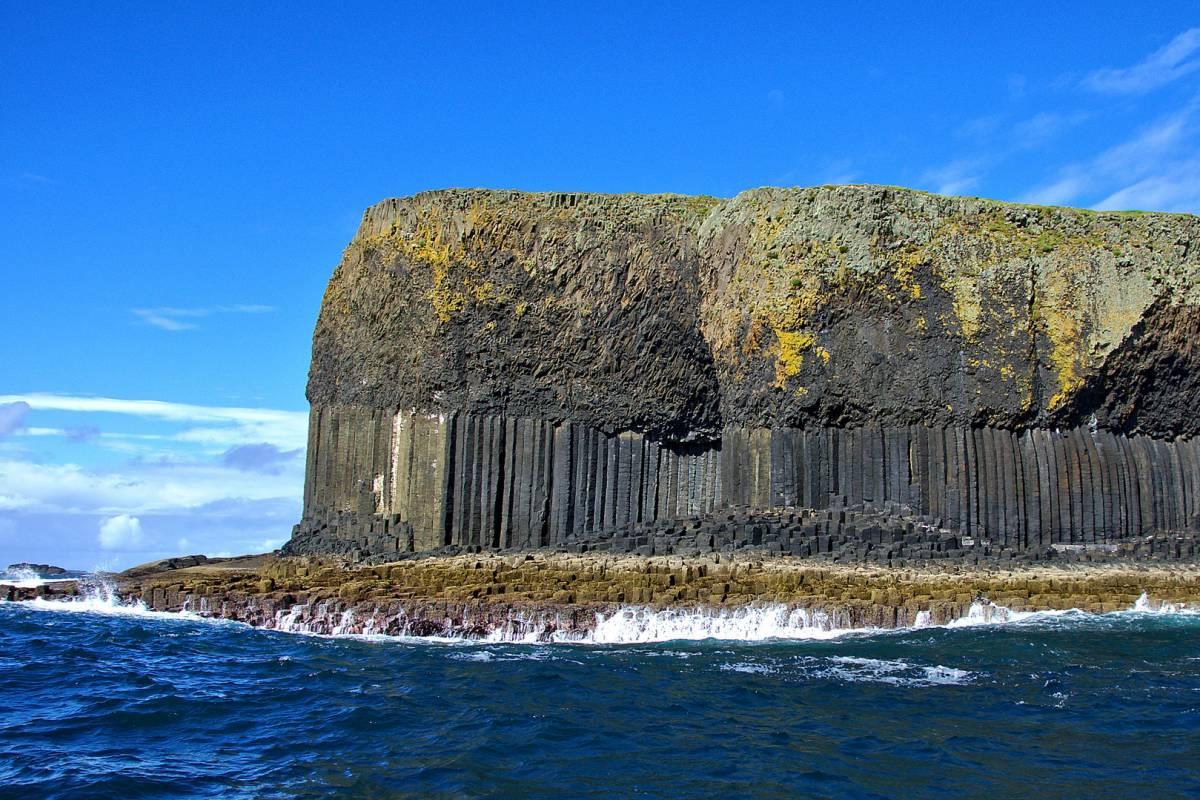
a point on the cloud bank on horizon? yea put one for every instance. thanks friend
(145, 479)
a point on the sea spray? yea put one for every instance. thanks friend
(24, 577)
(1145, 605)
(749, 623)
(98, 595)
(620, 625)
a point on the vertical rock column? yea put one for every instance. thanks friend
(1018, 489)
(521, 482)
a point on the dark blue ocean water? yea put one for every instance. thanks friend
(99, 706)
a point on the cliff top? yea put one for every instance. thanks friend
(841, 305)
(552, 198)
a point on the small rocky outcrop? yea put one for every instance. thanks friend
(41, 570)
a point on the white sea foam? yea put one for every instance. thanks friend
(629, 625)
(1145, 605)
(28, 579)
(988, 613)
(897, 673)
(100, 597)
(746, 624)
(854, 669)
(749, 668)
(524, 654)
(15, 577)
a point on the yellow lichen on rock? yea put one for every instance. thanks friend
(844, 306)
(792, 346)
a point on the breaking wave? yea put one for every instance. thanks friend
(630, 625)
(747, 624)
(855, 669)
(25, 578)
(99, 596)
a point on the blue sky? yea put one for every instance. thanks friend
(177, 182)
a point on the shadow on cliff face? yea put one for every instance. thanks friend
(526, 306)
(675, 317)
(1150, 383)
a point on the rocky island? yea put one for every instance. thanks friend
(867, 402)
(24, 567)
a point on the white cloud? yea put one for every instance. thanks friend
(1042, 128)
(181, 487)
(979, 127)
(170, 318)
(1149, 169)
(230, 526)
(163, 321)
(1179, 190)
(1179, 57)
(264, 458)
(220, 439)
(1154, 170)
(12, 416)
(136, 487)
(180, 412)
(840, 171)
(957, 177)
(217, 426)
(1060, 192)
(992, 140)
(121, 532)
(1150, 145)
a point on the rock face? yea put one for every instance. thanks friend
(505, 369)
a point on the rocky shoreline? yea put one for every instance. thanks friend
(543, 596)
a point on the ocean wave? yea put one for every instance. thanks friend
(630, 625)
(898, 673)
(637, 625)
(1144, 605)
(984, 612)
(855, 669)
(101, 597)
(28, 579)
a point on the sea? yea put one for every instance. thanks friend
(100, 699)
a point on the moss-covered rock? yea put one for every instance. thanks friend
(844, 305)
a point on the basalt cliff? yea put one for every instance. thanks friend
(862, 367)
